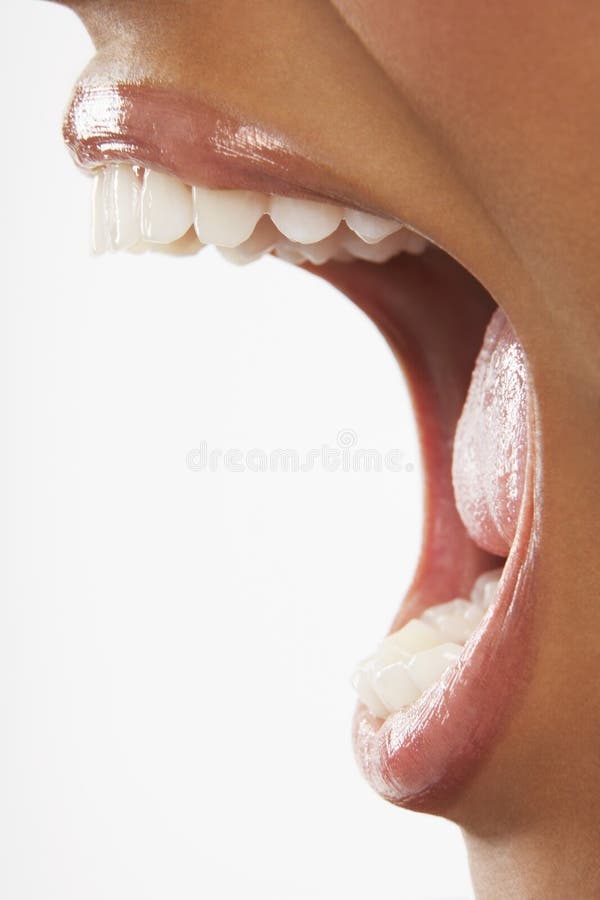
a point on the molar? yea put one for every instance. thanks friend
(427, 667)
(379, 252)
(409, 661)
(412, 638)
(395, 687)
(455, 620)
(362, 682)
(485, 588)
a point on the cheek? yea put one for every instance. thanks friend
(441, 48)
(479, 64)
(509, 93)
(462, 68)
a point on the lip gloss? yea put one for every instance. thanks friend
(187, 138)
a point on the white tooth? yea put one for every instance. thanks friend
(227, 218)
(319, 253)
(289, 252)
(371, 229)
(456, 621)
(322, 251)
(140, 248)
(362, 681)
(394, 686)
(116, 209)
(490, 592)
(237, 256)
(378, 253)
(123, 187)
(262, 240)
(474, 614)
(391, 650)
(412, 638)
(444, 609)
(100, 227)
(484, 589)
(304, 221)
(415, 243)
(166, 208)
(188, 245)
(427, 667)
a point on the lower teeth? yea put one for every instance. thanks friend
(410, 661)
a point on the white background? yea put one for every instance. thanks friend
(175, 646)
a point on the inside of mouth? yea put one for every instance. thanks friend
(434, 315)
(446, 332)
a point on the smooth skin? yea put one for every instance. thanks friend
(479, 124)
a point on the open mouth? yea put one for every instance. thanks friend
(173, 175)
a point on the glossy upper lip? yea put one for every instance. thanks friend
(418, 758)
(191, 140)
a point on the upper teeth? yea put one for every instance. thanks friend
(116, 209)
(305, 221)
(411, 660)
(166, 208)
(134, 212)
(226, 218)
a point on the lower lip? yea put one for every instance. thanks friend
(422, 757)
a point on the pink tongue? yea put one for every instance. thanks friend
(490, 446)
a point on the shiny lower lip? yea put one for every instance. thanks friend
(423, 757)
(195, 142)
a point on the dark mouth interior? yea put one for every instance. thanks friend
(433, 313)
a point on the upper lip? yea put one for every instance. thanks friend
(191, 140)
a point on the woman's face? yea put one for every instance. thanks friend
(476, 124)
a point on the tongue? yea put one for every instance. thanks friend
(490, 445)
